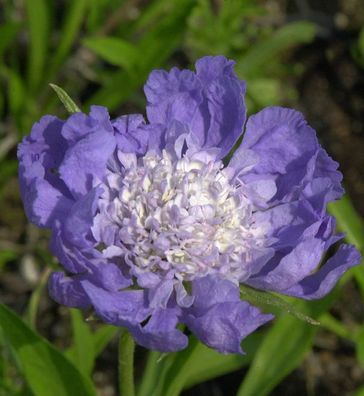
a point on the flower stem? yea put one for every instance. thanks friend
(126, 364)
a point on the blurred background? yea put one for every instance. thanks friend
(303, 54)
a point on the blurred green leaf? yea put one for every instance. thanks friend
(45, 368)
(34, 300)
(361, 43)
(334, 325)
(71, 26)
(153, 49)
(198, 363)
(264, 91)
(350, 222)
(99, 11)
(16, 92)
(6, 256)
(83, 352)
(282, 350)
(38, 19)
(8, 32)
(259, 56)
(114, 50)
(68, 103)
(360, 347)
(359, 392)
(102, 337)
(217, 28)
(87, 345)
(155, 372)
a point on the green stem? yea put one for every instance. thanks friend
(126, 364)
(36, 296)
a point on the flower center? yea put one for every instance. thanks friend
(183, 217)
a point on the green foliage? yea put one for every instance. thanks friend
(349, 221)
(282, 350)
(44, 367)
(38, 20)
(236, 29)
(70, 30)
(68, 103)
(357, 49)
(269, 300)
(114, 50)
(196, 364)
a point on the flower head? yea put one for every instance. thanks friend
(152, 228)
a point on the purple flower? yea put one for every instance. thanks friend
(153, 230)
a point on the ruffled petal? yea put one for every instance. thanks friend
(210, 103)
(70, 256)
(218, 317)
(281, 273)
(221, 116)
(84, 164)
(123, 308)
(44, 204)
(225, 325)
(130, 134)
(211, 290)
(285, 145)
(321, 283)
(108, 276)
(67, 291)
(173, 95)
(79, 125)
(160, 332)
(160, 294)
(42, 151)
(45, 196)
(77, 226)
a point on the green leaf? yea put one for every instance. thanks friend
(8, 32)
(72, 24)
(154, 374)
(282, 350)
(68, 103)
(45, 368)
(102, 337)
(265, 91)
(284, 38)
(114, 50)
(260, 298)
(35, 298)
(38, 21)
(83, 352)
(151, 375)
(87, 345)
(361, 43)
(359, 392)
(360, 347)
(198, 363)
(153, 49)
(16, 92)
(350, 222)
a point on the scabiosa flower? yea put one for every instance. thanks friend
(154, 229)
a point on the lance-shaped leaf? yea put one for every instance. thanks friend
(263, 299)
(45, 368)
(68, 103)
